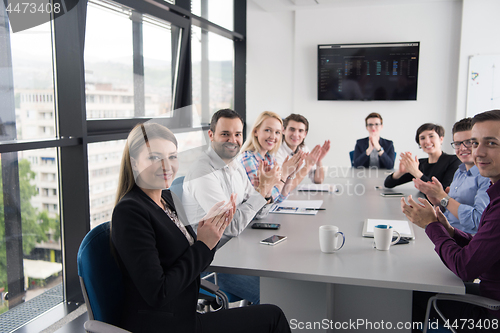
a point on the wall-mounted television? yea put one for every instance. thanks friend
(366, 72)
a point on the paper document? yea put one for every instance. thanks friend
(404, 227)
(317, 188)
(306, 207)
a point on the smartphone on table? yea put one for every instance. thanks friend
(272, 226)
(273, 240)
(392, 194)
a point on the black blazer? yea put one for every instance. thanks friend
(160, 270)
(386, 160)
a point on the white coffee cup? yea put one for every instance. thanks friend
(383, 236)
(328, 238)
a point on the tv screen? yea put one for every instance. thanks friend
(366, 72)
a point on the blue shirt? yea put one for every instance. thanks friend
(469, 189)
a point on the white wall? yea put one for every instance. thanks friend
(282, 67)
(480, 35)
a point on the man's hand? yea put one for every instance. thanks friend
(431, 189)
(312, 157)
(444, 221)
(324, 150)
(421, 213)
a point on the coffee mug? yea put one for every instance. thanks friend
(328, 238)
(383, 236)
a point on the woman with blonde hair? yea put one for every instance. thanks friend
(262, 143)
(160, 256)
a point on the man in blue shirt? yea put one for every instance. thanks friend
(466, 198)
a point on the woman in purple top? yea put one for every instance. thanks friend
(467, 256)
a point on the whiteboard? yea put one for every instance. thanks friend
(483, 85)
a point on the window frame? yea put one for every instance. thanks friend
(74, 132)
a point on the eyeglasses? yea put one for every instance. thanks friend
(373, 125)
(457, 144)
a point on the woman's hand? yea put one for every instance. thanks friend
(410, 164)
(291, 165)
(212, 226)
(374, 141)
(268, 178)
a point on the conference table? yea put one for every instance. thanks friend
(357, 288)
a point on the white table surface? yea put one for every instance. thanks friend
(406, 267)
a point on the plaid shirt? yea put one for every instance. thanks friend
(250, 161)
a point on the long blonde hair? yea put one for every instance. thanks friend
(252, 143)
(137, 138)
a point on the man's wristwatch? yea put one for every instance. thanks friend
(381, 149)
(444, 202)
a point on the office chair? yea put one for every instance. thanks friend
(177, 188)
(102, 285)
(467, 298)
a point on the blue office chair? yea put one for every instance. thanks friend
(100, 280)
(467, 298)
(176, 186)
(102, 285)
(351, 156)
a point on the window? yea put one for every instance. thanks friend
(47, 152)
(108, 57)
(36, 214)
(104, 166)
(213, 74)
(219, 12)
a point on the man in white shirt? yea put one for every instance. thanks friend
(295, 128)
(216, 175)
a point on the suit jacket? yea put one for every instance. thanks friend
(160, 269)
(386, 160)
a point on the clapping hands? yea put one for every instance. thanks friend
(212, 226)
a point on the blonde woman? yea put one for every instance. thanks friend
(262, 143)
(160, 256)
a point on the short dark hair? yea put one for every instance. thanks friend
(462, 125)
(485, 116)
(374, 115)
(298, 118)
(429, 127)
(224, 113)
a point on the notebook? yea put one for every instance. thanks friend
(405, 228)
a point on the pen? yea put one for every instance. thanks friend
(315, 208)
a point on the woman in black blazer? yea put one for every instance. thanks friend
(374, 151)
(161, 257)
(439, 164)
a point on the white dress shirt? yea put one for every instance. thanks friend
(285, 151)
(211, 180)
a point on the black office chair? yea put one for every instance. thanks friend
(467, 298)
(102, 285)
